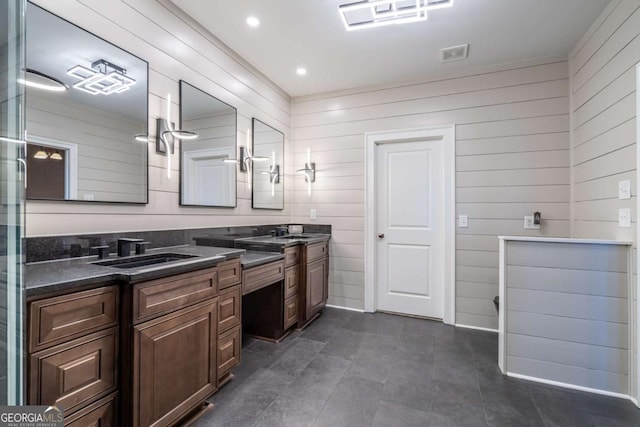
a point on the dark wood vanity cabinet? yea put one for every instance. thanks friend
(314, 289)
(74, 353)
(175, 337)
(174, 364)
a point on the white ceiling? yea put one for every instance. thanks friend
(310, 33)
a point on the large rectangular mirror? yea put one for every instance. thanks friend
(208, 164)
(86, 115)
(268, 176)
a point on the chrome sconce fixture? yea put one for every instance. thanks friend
(309, 172)
(274, 174)
(166, 135)
(246, 159)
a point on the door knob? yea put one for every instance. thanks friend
(381, 235)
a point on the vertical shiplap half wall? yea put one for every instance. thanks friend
(604, 130)
(176, 48)
(512, 158)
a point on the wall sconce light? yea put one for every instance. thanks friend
(246, 159)
(166, 136)
(274, 174)
(309, 172)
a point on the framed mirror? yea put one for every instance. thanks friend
(267, 176)
(86, 115)
(208, 164)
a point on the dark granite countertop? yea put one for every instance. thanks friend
(255, 258)
(275, 244)
(69, 274)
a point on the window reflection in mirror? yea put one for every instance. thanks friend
(267, 176)
(86, 103)
(208, 164)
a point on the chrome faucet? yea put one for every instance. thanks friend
(124, 245)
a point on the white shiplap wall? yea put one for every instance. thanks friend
(176, 48)
(603, 114)
(512, 158)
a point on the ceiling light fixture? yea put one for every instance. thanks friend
(103, 78)
(376, 13)
(301, 71)
(56, 155)
(38, 80)
(253, 22)
(41, 154)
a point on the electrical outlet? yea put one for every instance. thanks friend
(624, 189)
(313, 214)
(624, 218)
(528, 223)
(463, 221)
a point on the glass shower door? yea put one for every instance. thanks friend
(12, 175)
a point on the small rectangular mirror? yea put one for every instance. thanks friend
(86, 115)
(267, 167)
(208, 164)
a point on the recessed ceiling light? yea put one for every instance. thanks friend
(253, 22)
(301, 71)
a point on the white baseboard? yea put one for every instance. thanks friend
(339, 307)
(571, 386)
(477, 328)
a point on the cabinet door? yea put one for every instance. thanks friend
(316, 283)
(174, 364)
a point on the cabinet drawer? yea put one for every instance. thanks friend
(292, 256)
(229, 345)
(102, 413)
(264, 275)
(291, 281)
(229, 311)
(161, 296)
(229, 273)
(75, 373)
(55, 320)
(317, 251)
(290, 311)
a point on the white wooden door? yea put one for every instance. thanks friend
(410, 225)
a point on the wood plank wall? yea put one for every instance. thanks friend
(567, 317)
(512, 158)
(604, 126)
(176, 48)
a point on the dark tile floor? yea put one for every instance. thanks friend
(352, 369)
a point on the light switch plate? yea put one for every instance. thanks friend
(313, 214)
(528, 223)
(624, 218)
(463, 221)
(624, 189)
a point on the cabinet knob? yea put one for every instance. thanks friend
(380, 235)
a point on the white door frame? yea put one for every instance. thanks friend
(447, 133)
(636, 379)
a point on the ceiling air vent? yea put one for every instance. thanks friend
(454, 53)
